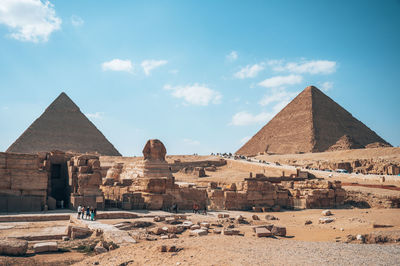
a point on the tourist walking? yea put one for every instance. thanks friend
(95, 213)
(79, 211)
(91, 214)
(83, 211)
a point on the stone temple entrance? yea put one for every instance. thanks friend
(59, 184)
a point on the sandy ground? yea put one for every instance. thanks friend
(304, 244)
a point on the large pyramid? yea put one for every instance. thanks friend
(63, 127)
(311, 122)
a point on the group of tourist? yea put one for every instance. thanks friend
(88, 213)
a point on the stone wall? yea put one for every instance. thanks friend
(23, 183)
(85, 181)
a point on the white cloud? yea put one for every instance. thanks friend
(279, 81)
(327, 85)
(117, 65)
(97, 115)
(249, 71)
(77, 21)
(191, 142)
(149, 65)
(232, 56)
(29, 20)
(245, 139)
(195, 94)
(310, 67)
(277, 95)
(245, 118)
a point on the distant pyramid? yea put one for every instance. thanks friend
(311, 122)
(63, 127)
(345, 143)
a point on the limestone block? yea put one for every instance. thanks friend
(5, 179)
(262, 232)
(28, 179)
(278, 231)
(45, 247)
(12, 246)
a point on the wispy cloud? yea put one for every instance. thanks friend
(196, 94)
(249, 71)
(149, 65)
(303, 67)
(97, 115)
(232, 56)
(279, 81)
(277, 95)
(29, 20)
(245, 118)
(77, 21)
(326, 86)
(191, 142)
(117, 65)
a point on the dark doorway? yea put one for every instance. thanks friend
(59, 188)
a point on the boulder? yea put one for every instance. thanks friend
(278, 231)
(195, 227)
(325, 220)
(12, 246)
(307, 222)
(231, 232)
(255, 217)
(326, 213)
(270, 217)
(263, 232)
(198, 232)
(45, 247)
(205, 224)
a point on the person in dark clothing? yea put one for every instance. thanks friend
(175, 208)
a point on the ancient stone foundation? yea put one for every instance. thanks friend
(23, 184)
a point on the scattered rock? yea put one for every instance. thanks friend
(195, 227)
(187, 224)
(270, 217)
(12, 246)
(230, 232)
(223, 215)
(99, 248)
(217, 231)
(325, 220)
(65, 238)
(326, 213)
(159, 219)
(307, 222)
(263, 232)
(278, 231)
(45, 247)
(204, 224)
(198, 232)
(255, 217)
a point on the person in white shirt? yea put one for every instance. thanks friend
(79, 211)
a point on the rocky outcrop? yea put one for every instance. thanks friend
(13, 247)
(345, 143)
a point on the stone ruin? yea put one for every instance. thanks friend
(150, 184)
(56, 179)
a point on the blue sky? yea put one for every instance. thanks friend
(202, 76)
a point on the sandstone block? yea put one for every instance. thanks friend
(263, 232)
(198, 232)
(326, 213)
(14, 247)
(325, 220)
(278, 231)
(231, 232)
(45, 247)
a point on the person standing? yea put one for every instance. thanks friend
(83, 211)
(79, 211)
(95, 213)
(88, 213)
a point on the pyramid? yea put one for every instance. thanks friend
(311, 122)
(345, 143)
(63, 127)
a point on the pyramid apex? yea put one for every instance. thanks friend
(311, 88)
